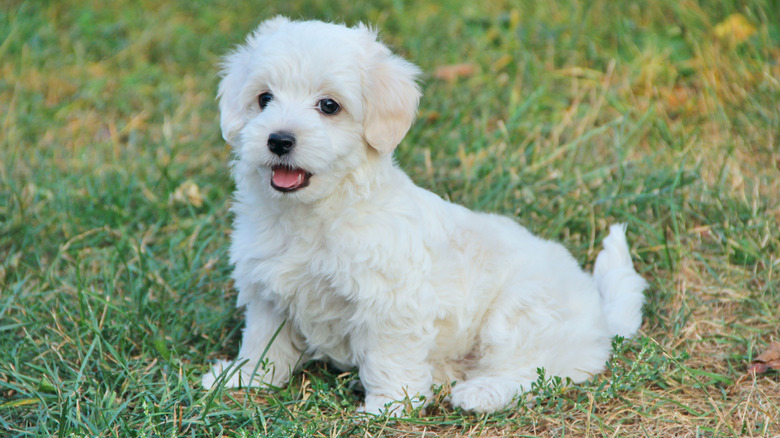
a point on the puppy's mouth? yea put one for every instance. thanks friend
(289, 179)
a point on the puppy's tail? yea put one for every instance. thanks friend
(619, 284)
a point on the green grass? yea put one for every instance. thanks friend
(114, 285)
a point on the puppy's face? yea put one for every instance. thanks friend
(305, 104)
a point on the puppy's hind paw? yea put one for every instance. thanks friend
(483, 394)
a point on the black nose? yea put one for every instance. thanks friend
(281, 143)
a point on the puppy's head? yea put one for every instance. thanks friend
(306, 104)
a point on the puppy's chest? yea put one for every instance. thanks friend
(319, 289)
(330, 280)
(308, 269)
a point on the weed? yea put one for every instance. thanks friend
(115, 288)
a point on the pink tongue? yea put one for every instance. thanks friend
(287, 178)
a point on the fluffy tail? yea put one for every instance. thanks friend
(619, 284)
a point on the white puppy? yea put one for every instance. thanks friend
(339, 256)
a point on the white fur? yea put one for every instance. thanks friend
(367, 270)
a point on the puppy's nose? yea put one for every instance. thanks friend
(281, 143)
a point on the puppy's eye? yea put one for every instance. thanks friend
(264, 99)
(328, 106)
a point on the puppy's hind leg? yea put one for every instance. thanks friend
(507, 359)
(552, 324)
(268, 354)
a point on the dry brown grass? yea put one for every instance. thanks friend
(114, 196)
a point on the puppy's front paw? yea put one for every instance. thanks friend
(230, 375)
(482, 394)
(210, 379)
(392, 407)
(381, 405)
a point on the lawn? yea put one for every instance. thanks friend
(115, 288)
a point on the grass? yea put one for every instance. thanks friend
(114, 195)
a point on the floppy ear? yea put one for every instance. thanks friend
(236, 67)
(391, 96)
(232, 111)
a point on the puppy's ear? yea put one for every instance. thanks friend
(391, 95)
(232, 111)
(235, 70)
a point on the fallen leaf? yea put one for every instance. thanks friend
(188, 192)
(677, 98)
(454, 71)
(769, 359)
(735, 28)
(431, 116)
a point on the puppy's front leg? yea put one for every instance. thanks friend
(391, 372)
(281, 355)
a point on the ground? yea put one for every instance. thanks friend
(567, 116)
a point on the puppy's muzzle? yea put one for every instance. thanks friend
(281, 143)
